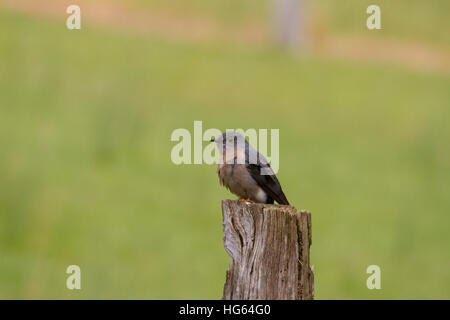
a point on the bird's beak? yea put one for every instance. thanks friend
(212, 140)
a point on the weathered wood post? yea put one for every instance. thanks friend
(290, 23)
(269, 250)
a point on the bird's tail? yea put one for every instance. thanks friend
(282, 199)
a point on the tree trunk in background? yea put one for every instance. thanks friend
(269, 250)
(290, 23)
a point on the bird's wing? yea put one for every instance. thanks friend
(268, 182)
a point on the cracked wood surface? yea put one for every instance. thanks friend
(269, 249)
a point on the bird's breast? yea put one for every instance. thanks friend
(238, 180)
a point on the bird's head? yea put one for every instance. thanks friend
(229, 140)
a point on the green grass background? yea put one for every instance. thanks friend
(86, 176)
(408, 20)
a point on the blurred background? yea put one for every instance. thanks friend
(86, 117)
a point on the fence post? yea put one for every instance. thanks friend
(269, 250)
(290, 23)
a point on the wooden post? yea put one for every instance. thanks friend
(290, 23)
(269, 250)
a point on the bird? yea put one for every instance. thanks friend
(246, 172)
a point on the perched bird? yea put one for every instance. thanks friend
(246, 172)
